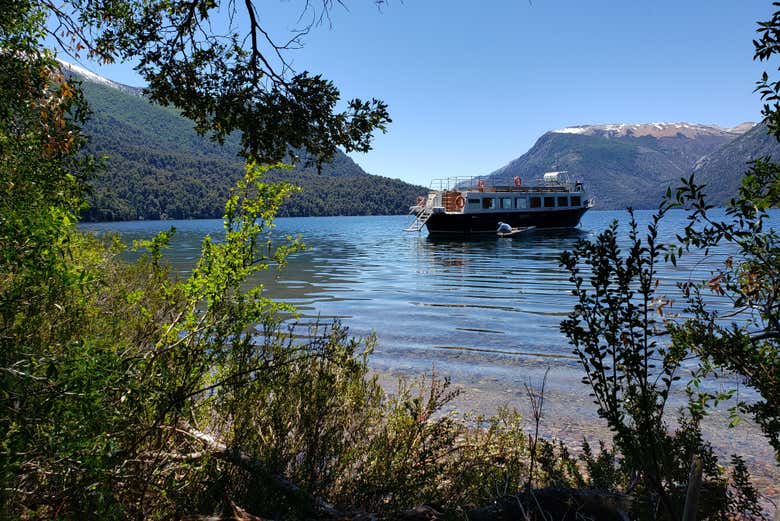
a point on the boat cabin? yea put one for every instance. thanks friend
(474, 195)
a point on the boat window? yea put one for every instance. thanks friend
(563, 201)
(473, 202)
(506, 202)
(536, 202)
(521, 202)
(488, 203)
(576, 201)
(549, 202)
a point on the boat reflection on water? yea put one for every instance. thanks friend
(542, 245)
(564, 235)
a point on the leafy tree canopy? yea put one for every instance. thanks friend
(224, 71)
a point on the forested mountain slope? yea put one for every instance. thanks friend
(157, 167)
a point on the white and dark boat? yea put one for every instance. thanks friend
(476, 205)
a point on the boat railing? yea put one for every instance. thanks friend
(505, 184)
(450, 183)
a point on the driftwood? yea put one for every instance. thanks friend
(217, 449)
(322, 509)
(694, 487)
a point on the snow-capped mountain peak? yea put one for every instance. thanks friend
(88, 75)
(657, 130)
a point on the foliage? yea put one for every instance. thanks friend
(747, 339)
(743, 498)
(40, 116)
(40, 286)
(405, 458)
(109, 359)
(602, 472)
(494, 460)
(614, 333)
(128, 393)
(766, 47)
(223, 76)
(559, 467)
(617, 329)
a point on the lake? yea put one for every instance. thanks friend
(484, 312)
(480, 302)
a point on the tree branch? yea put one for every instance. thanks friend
(241, 459)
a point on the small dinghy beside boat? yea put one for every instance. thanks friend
(515, 231)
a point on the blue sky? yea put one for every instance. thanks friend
(472, 85)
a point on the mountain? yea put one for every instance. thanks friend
(632, 164)
(158, 167)
(85, 74)
(717, 170)
(656, 130)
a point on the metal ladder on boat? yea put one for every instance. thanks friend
(420, 220)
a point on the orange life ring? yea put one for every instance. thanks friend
(518, 181)
(481, 184)
(460, 202)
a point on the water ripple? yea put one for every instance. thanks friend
(424, 296)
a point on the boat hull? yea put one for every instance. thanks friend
(478, 223)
